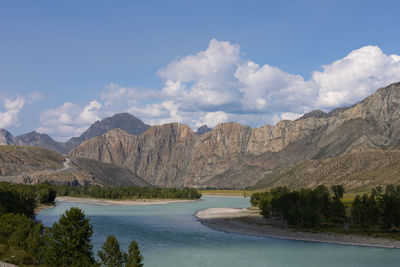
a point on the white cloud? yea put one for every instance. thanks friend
(219, 85)
(9, 117)
(212, 118)
(205, 79)
(69, 119)
(355, 76)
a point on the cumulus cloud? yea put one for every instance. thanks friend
(219, 85)
(69, 119)
(205, 79)
(9, 117)
(355, 76)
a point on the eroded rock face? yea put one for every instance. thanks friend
(173, 155)
(124, 121)
(6, 138)
(42, 140)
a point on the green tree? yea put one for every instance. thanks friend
(110, 253)
(337, 209)
(69, 241)
(135, 259)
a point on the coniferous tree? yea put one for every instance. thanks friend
(135, 259)
(110, 253)
(69, 241)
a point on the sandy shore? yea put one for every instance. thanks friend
(4, 264)
(107, 202)
(249, 222)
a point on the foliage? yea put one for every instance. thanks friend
(66, 243)
(134, 259)
(378, 209)
(19, 198)
(127, 192)
(302, 208)
(110, 253)
(69, 240)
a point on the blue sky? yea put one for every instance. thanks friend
(64, 64)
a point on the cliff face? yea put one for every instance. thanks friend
(6, 138)
(42, 140)
(123, 121)
(233, 155)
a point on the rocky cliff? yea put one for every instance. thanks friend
(239, 156)
(123, 121)
(6, 138)
(42, 140)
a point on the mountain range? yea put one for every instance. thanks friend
(296, 153)
(123, 121)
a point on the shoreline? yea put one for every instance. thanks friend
(249, 222)
(222, 195)
(109, 202)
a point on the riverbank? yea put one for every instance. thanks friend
(249, 222)
(109, 202)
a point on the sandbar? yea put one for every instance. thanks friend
(249, 222)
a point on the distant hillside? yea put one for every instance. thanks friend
(357, 171)
(124, 121)
(234, 155)
(30, 165)
(6, 138)
(42, 140)
(109, 174)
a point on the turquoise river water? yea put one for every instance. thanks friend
(169, 235)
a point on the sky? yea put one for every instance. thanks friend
(66, 64)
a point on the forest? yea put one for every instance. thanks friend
(372, 213)
(26, 242)
(127, 192)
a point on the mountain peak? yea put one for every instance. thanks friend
(203, 129)
(124, 121)
(6, 138)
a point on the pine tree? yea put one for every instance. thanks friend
(135, 259)
(69, 241)
(110, 253)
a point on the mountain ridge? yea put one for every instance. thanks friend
(173, 155)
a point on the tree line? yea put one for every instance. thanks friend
(127, 192)
(66, 243)
(302, 208)
(310, 208)
(23, 199)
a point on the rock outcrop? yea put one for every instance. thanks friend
(173, 155)
(42, 140)
(203, 129)
(6, 138)
(124, 121)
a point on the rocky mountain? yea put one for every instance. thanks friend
(30, 165)
(203, 129)
(42, 140)
(124, 121)
(357, 171)
(6, 138)
(239, 156)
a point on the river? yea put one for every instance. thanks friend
(169, 235)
